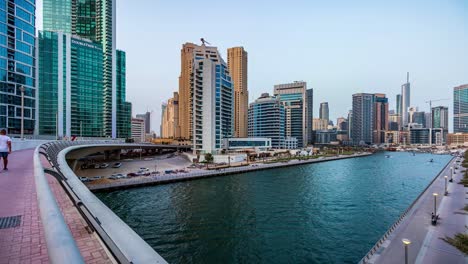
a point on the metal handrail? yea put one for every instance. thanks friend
(128, 243)
(61, 245)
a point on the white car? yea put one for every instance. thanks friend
(104, 165)
(84, 179)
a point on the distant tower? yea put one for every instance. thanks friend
(405, 101)
(237, 63)
(324, 112)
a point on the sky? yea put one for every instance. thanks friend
(338, 47)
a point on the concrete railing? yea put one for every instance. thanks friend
(125, 245)
(61, 246)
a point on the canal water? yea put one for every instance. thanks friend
(330, 212)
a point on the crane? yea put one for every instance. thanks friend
(436, 100)
(203, 41)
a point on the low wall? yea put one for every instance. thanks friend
(18, 144)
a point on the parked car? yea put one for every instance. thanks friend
(96, 178)
(104, 165)
(144, 169)
(117, 165)
(131, 174)
(84, 166)
(97, 166)
(84, 179)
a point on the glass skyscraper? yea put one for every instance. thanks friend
(17, 65)
(213, 100)
(267, 120)
(293, 96)
(92, 22)
(310, 114)
(460, 109)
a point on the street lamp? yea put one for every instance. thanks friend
(22, 89)
(435, 203)
(446, 192)
(451, 174)
(406, 243)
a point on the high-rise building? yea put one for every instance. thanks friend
(363, 118)
(319, 124)
(18, 65)
(418, 118)
(440, 117)
(398, 104)
(380, 118)
(350, 124)
(267, 120)
(428, 120)
(92, 21)
(187, 55)
(162, 128)
(147, 117)
(213, 100)
(324, 112)
(310, 114)
(169, 118)
(293, 95)
(460, 109)
(138, 130)
(237, 63)
(342, 123)
(405, 101)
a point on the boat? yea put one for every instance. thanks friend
(431, 160)
(387, 156)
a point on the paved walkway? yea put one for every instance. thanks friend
(426, 243)
(26, 243)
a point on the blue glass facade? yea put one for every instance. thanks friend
(362, 119)
(17, 65)
(460, 109)
(266, 119)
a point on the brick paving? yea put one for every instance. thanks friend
(26, 243)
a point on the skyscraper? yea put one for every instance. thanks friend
(310, 114)
(147, 117)
(324, 112)
(237, 62)
(93, 22)
(185, 89)
(440, 117)
(405, 101)
(460, 109)
(18, 65)
(362, 118)
(213, 100)
(293, 95)
(380, 118)
(170, 115)
(398, 104)
(267, 119)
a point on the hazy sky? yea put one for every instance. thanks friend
(337, 47)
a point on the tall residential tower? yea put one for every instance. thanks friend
(18, 65)
(405, 101)
(460, 109)
(237, 63)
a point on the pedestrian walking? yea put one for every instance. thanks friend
(5, 148)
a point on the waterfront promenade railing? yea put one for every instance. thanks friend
(125, 245)
(392, 228)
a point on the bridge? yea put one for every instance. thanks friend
(48, 215)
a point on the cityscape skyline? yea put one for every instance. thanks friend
(382, 43)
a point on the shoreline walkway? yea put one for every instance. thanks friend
(427, 245)
(168, 178)
(25, 242)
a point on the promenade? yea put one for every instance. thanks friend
(25, 242)
(167, 178)
(426, 243)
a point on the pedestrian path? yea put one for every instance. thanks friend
(426, 243)
(25, 243)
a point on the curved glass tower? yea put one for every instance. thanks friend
(17, 65)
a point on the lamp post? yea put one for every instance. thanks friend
(446, 192)
(435, 203)
(451, 174)
(406, 243)
(22, 89)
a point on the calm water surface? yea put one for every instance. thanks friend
(331, 212)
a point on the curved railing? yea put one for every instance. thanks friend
(392, 228)
(125, 245)
(61, 246)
